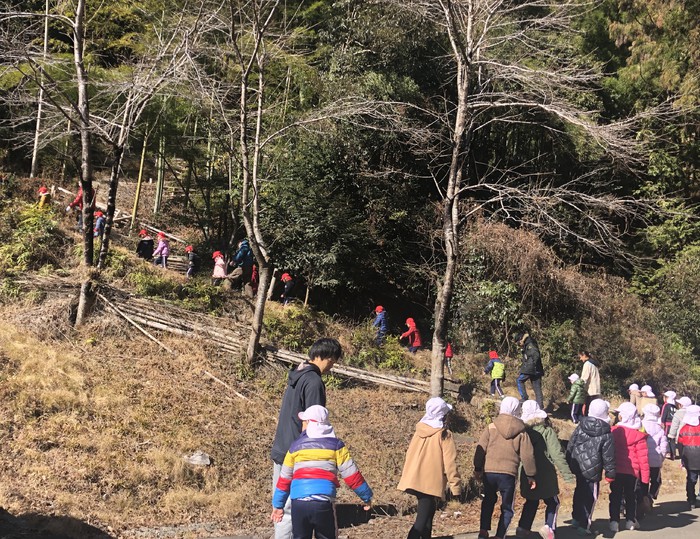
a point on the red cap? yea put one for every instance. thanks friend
(98, 213)
(410, 322)
(378, 309)
(216, 254)
(493, 354)
(286, 277)
(189, 248)
(143, 232)
(161, 235)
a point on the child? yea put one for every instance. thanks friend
(448, 357)
(99, 228)
(689, 447)
(577, 397)
(634, 393)
(309, 476)
(144, 249)
(631, 465)
(430, 466)
(677, 422)
(413, 335)
(288, 285)
(44, 195)
(548, 457)
(498, 373)
(646, 396)
(668, 410)
(590, 451)
(658, 448)
(501, 448)
(219, 268)
(160, 255)
(192, 261)
(380, 322)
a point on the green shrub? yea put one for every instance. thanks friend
(365, 353)
(294, 327)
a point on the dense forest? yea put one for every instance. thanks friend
(482, 166)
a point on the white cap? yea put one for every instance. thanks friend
(573, 378)
(318, 425)
(599, 409)
(510, 406)
(651, 411)
(435, 411)
(648, 391)
(532, 410)
(685, 402)
(670, 397)
(633, 387)
(692, 415)
(627, 411)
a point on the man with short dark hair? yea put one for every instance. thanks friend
(531, 368)
(305, 388)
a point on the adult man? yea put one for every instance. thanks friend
(590, 377)
(305, 388)
(531, 367)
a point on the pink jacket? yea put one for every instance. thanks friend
(631, 452)
(219, 268)
(163, 249)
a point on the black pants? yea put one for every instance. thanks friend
(691, 479)
(623, 486)
(585, 498)
(423, 526)
(310, 517)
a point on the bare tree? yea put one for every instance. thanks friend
(515, 63)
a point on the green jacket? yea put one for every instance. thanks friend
(548, 457)
(577, 395)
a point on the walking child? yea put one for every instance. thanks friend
(646, 396)
(381, 323)
(634, 393)
(577, 397)
(145, 247)
(430, 466)
(503, 445)
(449, 354)
(548, 458)
(631, 466)
(657, 445)
(288, 285)
(682, 405)
(590, 451)
(309, 477)
(668, 410)
(162, 252)
(192, 261)
(413, 335)
(219, 273)
(99, 225)
(498, 373)
(689, 446)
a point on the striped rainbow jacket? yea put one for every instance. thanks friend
(311, 468)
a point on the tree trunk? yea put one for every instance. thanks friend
(40, 104)
(139, 182)
(264, 279)
(118, 153)
(85, 302)
(85, 137)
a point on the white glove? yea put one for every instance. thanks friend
(68, 208)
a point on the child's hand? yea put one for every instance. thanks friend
(277, 515)
(533, 484)
(367, 506)
(610, 479)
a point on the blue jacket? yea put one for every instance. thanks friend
(381, 321)
(244, 256)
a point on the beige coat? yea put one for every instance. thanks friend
(503, 445)
(431, 463)
(591, 378)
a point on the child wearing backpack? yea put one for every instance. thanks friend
(657, 445)
(498, 373)
(590, 451)
(502, 447)
(548, 458)
(577, 397)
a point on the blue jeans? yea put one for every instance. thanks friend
(536, 381)
(312, 516)
(495, 483)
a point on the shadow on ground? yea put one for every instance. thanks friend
(46, 527)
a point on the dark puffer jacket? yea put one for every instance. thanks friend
(532, 362)
(591, 450)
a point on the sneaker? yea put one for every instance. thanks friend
(522, 532)
(546, 532)
(583, 531)
(483, 534)
(631, 525)
(575, 523)
(614, 526)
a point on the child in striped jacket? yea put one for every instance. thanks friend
(309, 475)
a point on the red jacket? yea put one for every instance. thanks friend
(689, 441)
(448, 351)
(413, 334)
(78, 200)
(631, 452)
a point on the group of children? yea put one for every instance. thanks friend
(412, 334)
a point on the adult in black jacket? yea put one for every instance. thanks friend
(531, 368)
(304, 388)
(590, 450)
